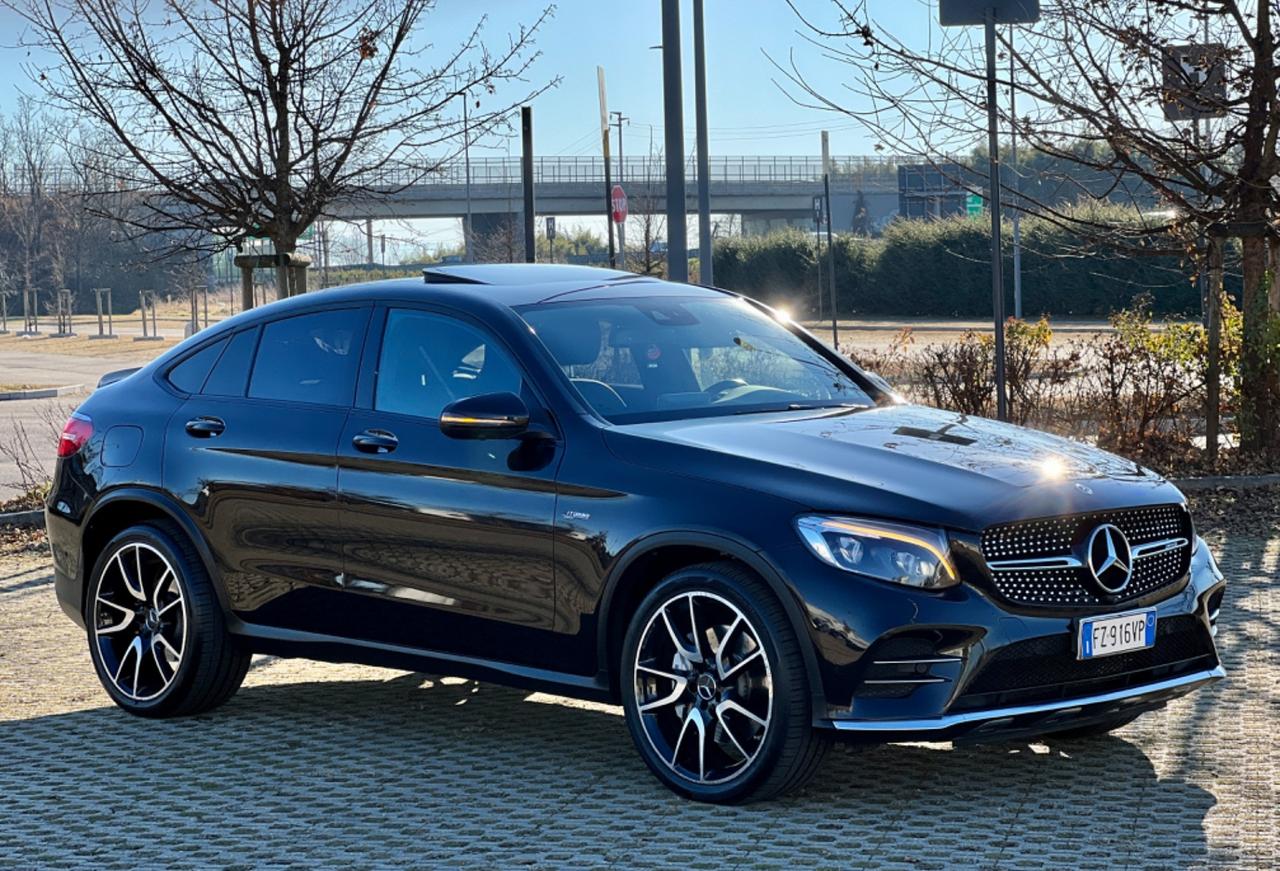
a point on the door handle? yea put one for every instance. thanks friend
(375, 441)
(205, 427)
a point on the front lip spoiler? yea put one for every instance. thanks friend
(1159, 692)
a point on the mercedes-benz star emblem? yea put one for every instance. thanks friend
(1109, 559)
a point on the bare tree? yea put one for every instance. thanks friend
(648, 216)
(238, 120)
(28, 211)
(1092, 80)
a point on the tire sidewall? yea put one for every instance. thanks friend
(711, 581)
(159, 540)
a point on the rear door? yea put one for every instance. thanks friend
(449, 541)
(251, 454)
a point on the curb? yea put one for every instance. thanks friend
(1229, 482)
(42, 393)
(23, 519)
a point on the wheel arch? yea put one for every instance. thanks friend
(119, 509)
(646, 562)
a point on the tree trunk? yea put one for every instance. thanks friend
(284, 283)
(1259, 368)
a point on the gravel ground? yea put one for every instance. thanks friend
(316, 765)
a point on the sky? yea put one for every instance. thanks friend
(748, 113)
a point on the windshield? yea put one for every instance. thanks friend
(641, 360)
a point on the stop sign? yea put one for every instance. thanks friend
(619, 201)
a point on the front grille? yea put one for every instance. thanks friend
(1046, 668)
(1061, 539)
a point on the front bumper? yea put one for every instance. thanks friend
(1036, 719)
(902, 664)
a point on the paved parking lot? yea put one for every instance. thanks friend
(318, 765)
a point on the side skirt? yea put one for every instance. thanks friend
(331, 648)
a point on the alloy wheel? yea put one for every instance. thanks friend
(140, 621)
(703, 687)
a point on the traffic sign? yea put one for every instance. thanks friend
(618, 198)
(551, 227)
(973, 204)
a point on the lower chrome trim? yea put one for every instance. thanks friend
(1186, 683)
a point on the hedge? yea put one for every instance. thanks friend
(942, 269)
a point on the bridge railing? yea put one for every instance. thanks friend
(766, 169)
(876, 171)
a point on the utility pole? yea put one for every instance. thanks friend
(468, 254)
(673, 134)
(831, 256)
(622, 225)
(618, 118)
(608, 179)
(705, 253)
(993, 181)
(526, 174)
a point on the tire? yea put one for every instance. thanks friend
(1093, 730)
(743, 695)
(156, 631)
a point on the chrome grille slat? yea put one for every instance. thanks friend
(1036, 562)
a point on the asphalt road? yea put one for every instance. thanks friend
(314, 765)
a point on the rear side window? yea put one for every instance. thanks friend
(309, 358)
(232, 370)
(189, 375)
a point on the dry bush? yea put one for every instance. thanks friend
(31, 449)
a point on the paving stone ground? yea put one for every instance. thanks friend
(315, 765)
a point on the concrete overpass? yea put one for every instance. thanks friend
(764, 190)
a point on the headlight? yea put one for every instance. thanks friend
(912, 555)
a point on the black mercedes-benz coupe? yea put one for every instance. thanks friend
(617, 488)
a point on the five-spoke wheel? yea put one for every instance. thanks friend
(156, 631)
(715, 688)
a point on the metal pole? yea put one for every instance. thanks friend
(673, 133)
(526, 173)
(831, 258)
(993, 187)
(831, 261)
(622, 225)
(705, 254)
(608, 179)
(1017, 181)
(1213, 373)
(468, 254)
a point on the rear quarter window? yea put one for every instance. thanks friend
(231, 372)
(190, 373)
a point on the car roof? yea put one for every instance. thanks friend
(483, 286)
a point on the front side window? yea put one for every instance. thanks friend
(429, 360)
(637, 360)
(309, 358)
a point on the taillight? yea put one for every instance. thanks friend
(74, 435)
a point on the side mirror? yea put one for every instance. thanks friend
(487, 416)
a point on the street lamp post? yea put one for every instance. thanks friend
(673, 107)
(988, 13)
(706, 273)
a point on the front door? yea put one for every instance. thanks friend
(447, 541)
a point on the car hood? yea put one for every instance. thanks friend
(902, 461)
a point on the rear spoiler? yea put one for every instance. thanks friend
(118, 375)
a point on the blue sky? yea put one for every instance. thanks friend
(747, 112)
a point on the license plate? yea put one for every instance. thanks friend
(1104, 636)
